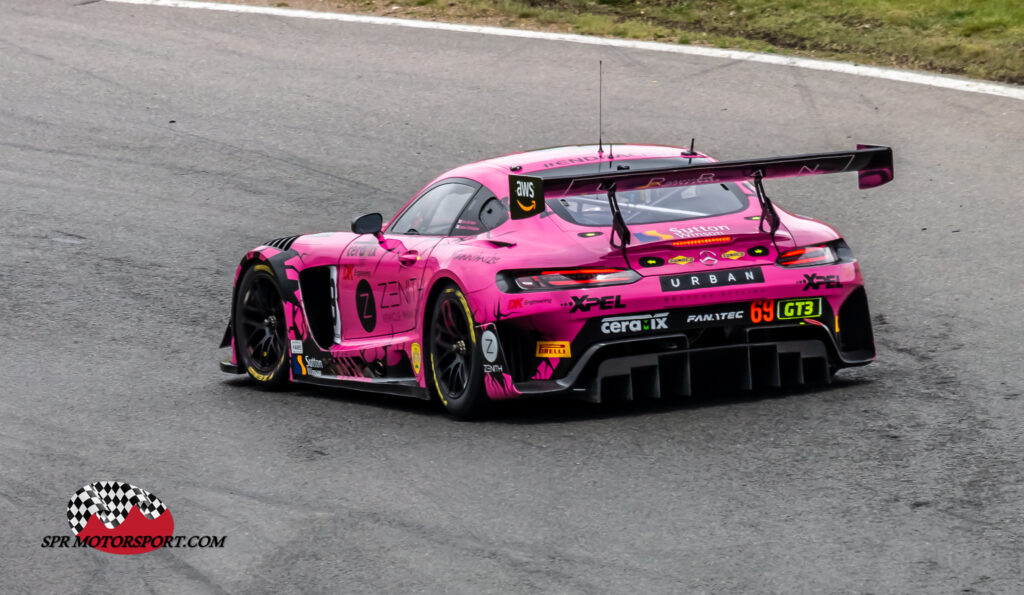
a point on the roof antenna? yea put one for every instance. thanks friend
(600, 108)
(690, 152)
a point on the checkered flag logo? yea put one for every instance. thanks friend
(112, 501)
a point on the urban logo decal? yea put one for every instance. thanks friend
(120, 518)
(132, 520)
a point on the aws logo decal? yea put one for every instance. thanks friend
(119, 518)
(526, 196)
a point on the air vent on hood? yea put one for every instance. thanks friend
(282, 243)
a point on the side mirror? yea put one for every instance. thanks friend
(371, 223)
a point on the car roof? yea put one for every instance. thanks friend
(581, 159)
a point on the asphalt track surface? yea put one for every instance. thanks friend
(143, 150)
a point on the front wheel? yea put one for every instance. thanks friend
(454, 356)
(260, 328)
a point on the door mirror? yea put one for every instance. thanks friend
(368, 224)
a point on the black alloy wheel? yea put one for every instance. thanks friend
(260, 340)
(455, 361)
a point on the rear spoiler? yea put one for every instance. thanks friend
(527, 194)
(873, 165)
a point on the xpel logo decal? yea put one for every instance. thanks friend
(814, 281)
(585, 303)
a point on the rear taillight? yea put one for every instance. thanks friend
(808, 256)
(549, 280)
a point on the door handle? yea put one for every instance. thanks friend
(409, 258)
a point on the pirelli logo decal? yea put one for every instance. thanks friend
(705, 280)
(555, 349)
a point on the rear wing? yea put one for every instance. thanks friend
(873, 165)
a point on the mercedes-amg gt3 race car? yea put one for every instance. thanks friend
(650, 272)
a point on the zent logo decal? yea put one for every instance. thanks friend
(489, 345)
(366, 306)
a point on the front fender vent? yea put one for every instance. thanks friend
(282, 243)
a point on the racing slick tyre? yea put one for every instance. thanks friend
(454, 357)
(260, 342)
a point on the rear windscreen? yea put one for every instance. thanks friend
(653, 205)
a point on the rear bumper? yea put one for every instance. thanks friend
(670, 367)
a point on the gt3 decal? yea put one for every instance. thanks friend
(800, 308)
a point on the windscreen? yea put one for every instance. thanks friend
(652, 205)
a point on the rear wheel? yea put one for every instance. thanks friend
(454, 358)
(260, 328)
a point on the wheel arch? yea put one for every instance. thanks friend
(251, 259)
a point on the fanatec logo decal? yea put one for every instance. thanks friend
(120, 518)
(716, 316)
(639, 323)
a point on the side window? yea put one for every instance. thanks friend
(484, 213)
(434, 213)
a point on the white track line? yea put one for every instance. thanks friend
(905, 76)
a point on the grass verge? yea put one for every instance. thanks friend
(975, 38)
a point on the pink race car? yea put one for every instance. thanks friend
(653, 272)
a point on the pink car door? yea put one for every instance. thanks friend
(380, 282)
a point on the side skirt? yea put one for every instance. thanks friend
(403, 387)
